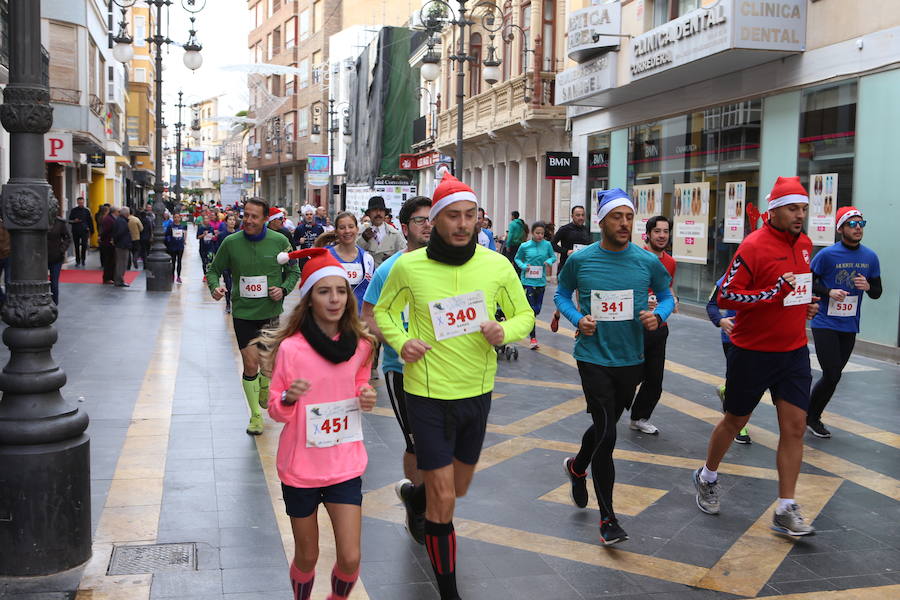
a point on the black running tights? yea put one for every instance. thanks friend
(833, 349)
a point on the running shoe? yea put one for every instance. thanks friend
(554, 323)
(256, 425)
(645, 426)
(791, 522)
(534, 344)
(818, 429)
(743, 437)
(415, 521)
(707, 494)
(178, 280)
(611, 532)
(579, 483)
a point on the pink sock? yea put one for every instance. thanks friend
(302, 583)
(342, 583)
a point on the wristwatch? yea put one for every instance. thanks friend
(659, 320)
(283, 396)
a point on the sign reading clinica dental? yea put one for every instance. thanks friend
(593, 29)
(730, 24)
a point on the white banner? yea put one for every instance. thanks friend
(735, 201)
(823, 202)
(691, 208)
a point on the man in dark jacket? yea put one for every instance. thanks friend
(121, 238)
(58, 240)
(107, 248)
(147, 220)
(82, 223)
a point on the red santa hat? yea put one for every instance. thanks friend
(787, 190)
(448, 191)
(275, 213)
(321, 264)
(845, 213)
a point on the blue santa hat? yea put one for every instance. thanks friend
(612, 199)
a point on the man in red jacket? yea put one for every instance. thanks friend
(769, 283)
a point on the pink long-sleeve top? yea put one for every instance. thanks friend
(299, 466)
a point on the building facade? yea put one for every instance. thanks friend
(705, 103)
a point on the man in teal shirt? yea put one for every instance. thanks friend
(611, 279)
(515, 235)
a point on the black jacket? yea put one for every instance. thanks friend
(58, 240)
(85, 222)
(567, 236)
(121, 236)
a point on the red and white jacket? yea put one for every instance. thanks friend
(754, 287)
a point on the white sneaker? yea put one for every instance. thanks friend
(644, 426)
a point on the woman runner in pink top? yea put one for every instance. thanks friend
(320, 364)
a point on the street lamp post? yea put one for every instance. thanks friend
(316, 137)
(274, 138)
(179, 126)
(432, 16)
(158, 263)
(45, 488)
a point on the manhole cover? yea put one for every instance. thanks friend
(130, 560)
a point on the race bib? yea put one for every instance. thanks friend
(458, 315)
(354, 272)
(845, 308)
(208, 237)
(254, 287)
(332, 423)
(577, 247)
(802, 293)
(533, 272)
(178, 233)
(612, 305)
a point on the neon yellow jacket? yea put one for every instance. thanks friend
(463, 366)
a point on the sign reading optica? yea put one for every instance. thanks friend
(593, 29)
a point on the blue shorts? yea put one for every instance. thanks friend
(302, 502)
(787, 375)
(447, 429)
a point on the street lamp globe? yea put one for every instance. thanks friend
(348, 138)
(123, 51)
(193, 60)
(431, 71)
(164, 131)
(492, 74)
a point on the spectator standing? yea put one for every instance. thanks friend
(82, 227)
(135, 228)
(121, 239)
(107, 247)
(58, 240)
(380, 239)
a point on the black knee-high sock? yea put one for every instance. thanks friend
(440, 541)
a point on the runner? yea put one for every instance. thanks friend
(569, 238)
(534, 258)
(841, 273)
(228, 227)
(257, 301)
(611, 279)
(726, 324)
(648, 395)
(206, 235)
(275, 222)
(416, 226)
(770, 286)
(176, 234)
(359, 264)
(485, 235)
(450, 360)
(319, 362)
(516, 233)
(308, 230)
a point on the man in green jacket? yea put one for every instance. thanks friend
(452, 288)
(257, 296)
(515, 235)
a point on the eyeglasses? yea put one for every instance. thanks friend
(853, 224)
(419, 220)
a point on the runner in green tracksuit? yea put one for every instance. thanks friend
(452, 288)
(260, 285)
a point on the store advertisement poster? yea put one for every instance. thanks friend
(318, 170)
(691, 208)
(823, 202)
(648, 202)
(735, 201)
(595, 208)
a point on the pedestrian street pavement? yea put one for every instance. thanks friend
(159, 377)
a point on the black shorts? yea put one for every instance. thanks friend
(302, 502)
(447, 429)
(787, 375)
(245, 330)
(393, 381)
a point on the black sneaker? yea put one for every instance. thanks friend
(415, 521)
(611, 533)
(817, 429)
(579, 483)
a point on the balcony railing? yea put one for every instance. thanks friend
(65, 95)
(96, 104)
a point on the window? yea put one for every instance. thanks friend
(134, 130)
(63, 57)
(475, 66)
(290, 32)
(276, 6)
(269, 3)
(525, 23)
(93, 87)
(270, 46)
(290, 83)
(319, 68)
(507, 48)
(290, 127)
(254, 22)
(304, 25)
(318, 15)
(303, 122)
(140, 30)
(140, 75)
(276, 40)
(549, 36)
(258, 53)
(260, 13)
(276, 85)
(304, 73)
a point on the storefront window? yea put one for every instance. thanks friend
(700, 153)
(597, 164)
(827, 146)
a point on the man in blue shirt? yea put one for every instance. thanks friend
(612, 280)
(485, 235)
(841, 273)
(416, 226)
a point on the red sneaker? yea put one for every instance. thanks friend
(534, 344)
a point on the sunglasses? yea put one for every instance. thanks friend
(856, 223)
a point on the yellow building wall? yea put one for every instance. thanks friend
(393, 13)
(96, 197)
(831, 22)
